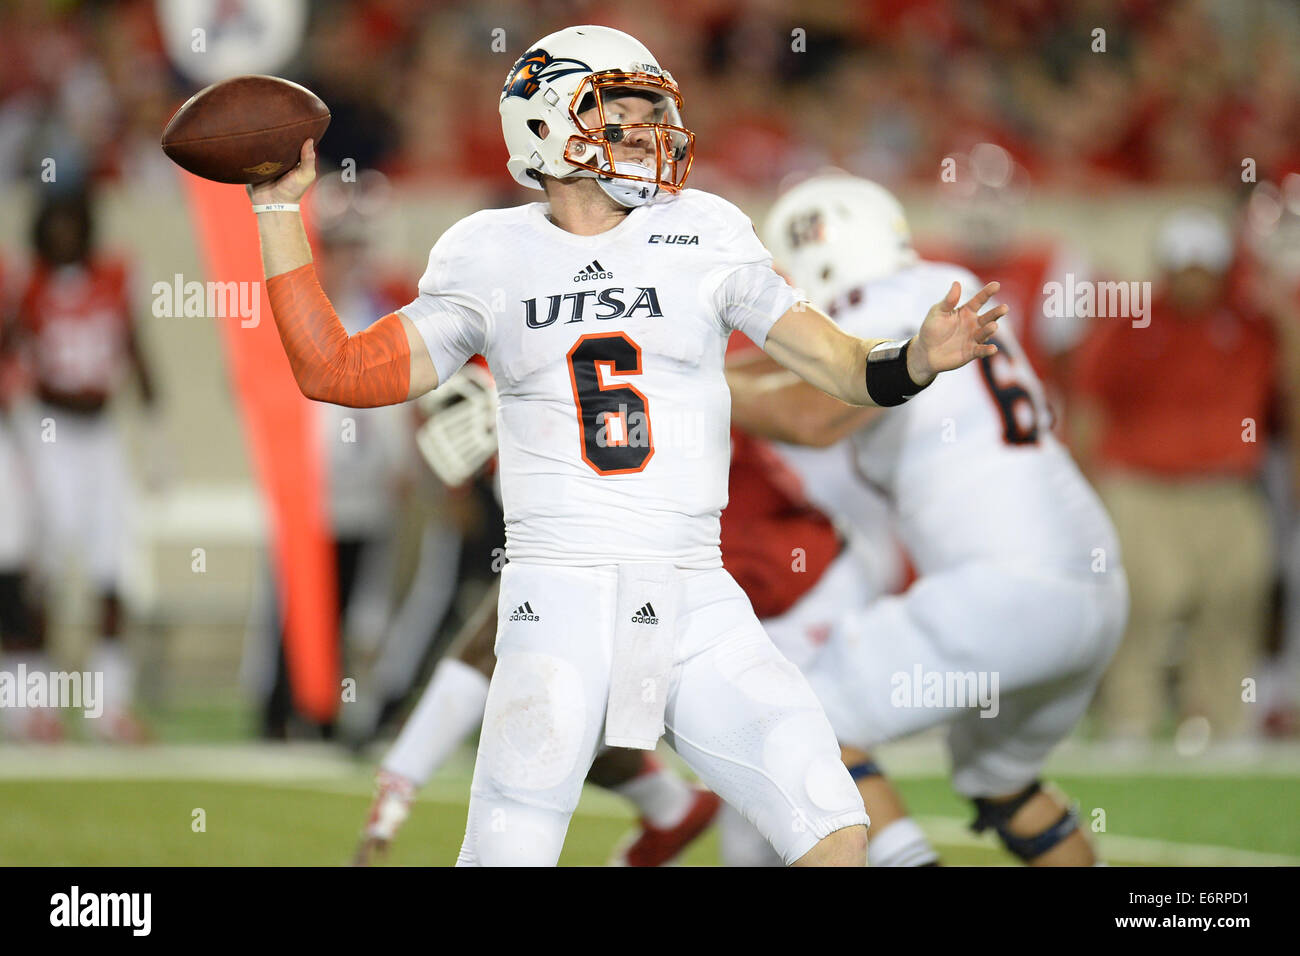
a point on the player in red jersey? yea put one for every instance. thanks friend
(75, 333)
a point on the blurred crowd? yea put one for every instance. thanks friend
(1083, 93)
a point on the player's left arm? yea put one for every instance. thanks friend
(811, 345)
(771, 402)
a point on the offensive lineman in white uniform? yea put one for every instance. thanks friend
(1023, 586)
(603, 315)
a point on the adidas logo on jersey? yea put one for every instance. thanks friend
(524, 612)
(646, 615)
(594, 270)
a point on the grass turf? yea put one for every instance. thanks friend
(151, 822)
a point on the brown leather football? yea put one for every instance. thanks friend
(249, 129)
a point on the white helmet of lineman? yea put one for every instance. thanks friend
(459, 434)
(835, 231)
(576, 70)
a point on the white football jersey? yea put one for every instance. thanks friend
(970, 465)
(607, 352)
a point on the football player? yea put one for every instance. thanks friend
(786, 555)
(603, 314)
(21, 637)
(76, 331)
(1021, 596)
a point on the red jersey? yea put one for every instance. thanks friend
(1178, 394)
(77, 326)
(774, 543)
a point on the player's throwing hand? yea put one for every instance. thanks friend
(292, 185)
(953, 335)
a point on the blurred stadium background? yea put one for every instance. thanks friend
(1070, 148)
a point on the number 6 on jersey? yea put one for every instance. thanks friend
(614, 419)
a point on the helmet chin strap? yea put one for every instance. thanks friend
(629, 192)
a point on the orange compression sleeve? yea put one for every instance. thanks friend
(370, 368)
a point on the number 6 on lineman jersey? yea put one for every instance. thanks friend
(1010, 394)
(614, 419)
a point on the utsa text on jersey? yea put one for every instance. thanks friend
(609, 305)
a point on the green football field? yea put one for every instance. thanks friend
(304, 805)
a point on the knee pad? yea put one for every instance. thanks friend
(533, 745)
(996, 815)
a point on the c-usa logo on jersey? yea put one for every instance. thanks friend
(526, 76)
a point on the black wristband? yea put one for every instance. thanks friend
(888, 383)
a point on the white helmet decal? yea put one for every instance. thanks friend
(536, 67)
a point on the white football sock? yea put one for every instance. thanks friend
(662, 797)
(111, 659)
(449, 710)
(901, 843)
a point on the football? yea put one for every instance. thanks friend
(249, 129)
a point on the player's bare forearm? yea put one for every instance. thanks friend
(284, 242)
(811, 345)
(772, 402)
(754, 408)
(283, 238)
(780, 406)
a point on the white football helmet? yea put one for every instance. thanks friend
(459, 434)
(1192, 236)
(576, 70)
(835, 231)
